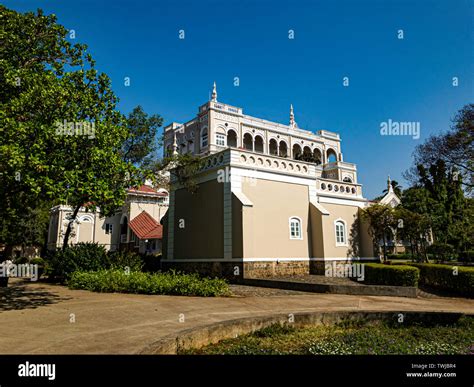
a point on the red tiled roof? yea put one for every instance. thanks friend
(145, 227)
(146, 189)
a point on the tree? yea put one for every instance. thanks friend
(381, 221)
(141, 144)
(62, 137)
(414, 228)
(454, 147)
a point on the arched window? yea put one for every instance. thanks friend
(283, 149)
(297, 152)
(295, 228)
(340, 229)
(273, 147)
(248, 141)
(317, 156)
(347, 179)
(204, 138)
(232, 139)
(258, 144)
(331, 156)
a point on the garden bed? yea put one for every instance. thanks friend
(351, 337)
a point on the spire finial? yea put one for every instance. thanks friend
(214, 93)
(175, 145)
(292, 117)
(389, 184)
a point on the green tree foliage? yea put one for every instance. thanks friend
(449, 210)
(49, 84)
(455, 148)
(382, 221)
(141, 145)
(414, 228)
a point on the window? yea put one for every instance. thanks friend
(220, 139)
(204, 138)
(295, 228)
(108, 228)
(340, 233)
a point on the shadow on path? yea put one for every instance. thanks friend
(19, 295)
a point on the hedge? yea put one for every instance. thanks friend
(443, 277)
(121, 281)
(400, 256)
(392, 275)
(89, 257)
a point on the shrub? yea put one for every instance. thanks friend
(20, 260)
(393, 275)
(123, 259)
(441, 251)
(37, 261)
(467, 256)
(443, 277)
(400, 256)
(146, 283)
(152, 263)
(81, 257)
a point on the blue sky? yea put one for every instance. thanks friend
(406, 79)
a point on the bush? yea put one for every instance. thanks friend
(392, 275)
(400, 256)
(152, 263)
(20, 260)
(145, 283)
(37, 261)
(443, 277)
(123, 259)
(81, 257)
(467, 256)
(441, 251)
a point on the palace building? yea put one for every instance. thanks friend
(272, 199)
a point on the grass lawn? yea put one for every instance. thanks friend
(351, 338)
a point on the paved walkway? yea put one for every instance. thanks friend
(38, 318)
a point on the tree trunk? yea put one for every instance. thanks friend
(69, 226)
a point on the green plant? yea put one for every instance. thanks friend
(467, 256)
(404, 256)
(123, 259)
(37, 261)
(441, 251)
(393, 275)
(81, 257)
(457, 279)
(171, 283)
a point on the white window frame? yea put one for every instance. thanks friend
(223, 137)
(344, 231)
(205, 129)
(109, 228)
(300, 225)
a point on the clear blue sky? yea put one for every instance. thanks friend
(404, 80)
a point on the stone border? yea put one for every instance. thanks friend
(357, 290)
(213, 333)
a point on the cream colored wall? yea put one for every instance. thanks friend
(155, 210)
(202, 213)
(266, 232)
(86, 231)
(349, 214)
(317, 232)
